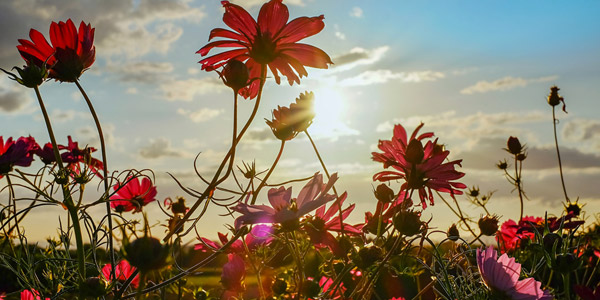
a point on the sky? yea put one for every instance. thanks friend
(475, 72)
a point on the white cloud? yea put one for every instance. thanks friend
(358, 57)
(186, 90)
(201, 115)
(338, 33)
(503, 84)
(383, 76)
(141, 71)
(160, 147)
(356, 12)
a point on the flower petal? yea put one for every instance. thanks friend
(301, 28)
(272, 17)
(239, 20)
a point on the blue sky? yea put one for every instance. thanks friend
(474, 72)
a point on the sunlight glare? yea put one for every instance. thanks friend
(330, 110)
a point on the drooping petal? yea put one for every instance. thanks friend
(307, 55)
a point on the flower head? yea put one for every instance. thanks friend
(287, 122)
(284, 210)
(122, 271)
(501, 275)
(71, 53)
(233, 273)
(133, 195)
(271, 41)
(19, 153)
(422, 167)
(31, 295)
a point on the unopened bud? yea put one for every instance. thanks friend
(235, 74)
(453, 233)
(408, 222)
(384, 193)
(514, 146)
(414, 152)
(488, 225)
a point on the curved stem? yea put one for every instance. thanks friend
(105, 174)
(264, 181)
(562, 179)
(333, 187)
(215, 181)
(68, 200)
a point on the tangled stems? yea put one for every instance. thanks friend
(461, 216)
(105, 173)
(215, 181)
(68, 200)
(333, 187)
(562, 179)
(264, 181)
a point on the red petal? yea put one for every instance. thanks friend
(272, 17)
(225, 44)
(224, 33)
(307, 55)
(239, 20)
(283, 66)
(296, 65)
(300, 28)
(217, 60)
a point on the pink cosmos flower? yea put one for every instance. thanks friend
(133, 195)
(501, 275)
(31, 295)
(318, 227)
(19, 153)
(233, 273)
(122, 271)
(284, 210)
(261, 234)
(421, 167)
(270, 41)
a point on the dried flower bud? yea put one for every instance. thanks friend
(235, 74)
(408, 222)
(414, 152)
(488, 225)
(521, 156)
(514, 146)
(474, 192)
(555, 99)
(368, 256)
(502, 165)
(573, 208)
(146, 253)
(384, 193)
(453, 233)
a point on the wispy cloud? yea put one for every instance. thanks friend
(383, 76)
(503, 84)
(186, 90)
(160, 147)
(358, 57)
(201, 115)
(141, 71)
(356, 12)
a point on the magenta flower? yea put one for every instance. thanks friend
(284, 210)
(319, 226)
(19, 153)
(76, 155)
(233, 273)
(31, 295)
(133, 195)
(501, 275)
(423, 168)
(122, 271)
(261, 234)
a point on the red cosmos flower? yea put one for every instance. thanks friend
(77, 155)
(422, 167)
(271, 41)
(133, 195)
(19, 153)
(31, 295)
(122, 271)
(71, 53)
(318, 227)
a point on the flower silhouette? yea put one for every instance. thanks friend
(271, 41)
(71, 53)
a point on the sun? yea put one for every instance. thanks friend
(330, 114)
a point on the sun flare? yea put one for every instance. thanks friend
(330, 114)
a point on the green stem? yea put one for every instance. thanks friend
(105, 174)
(215, 181)
(68, 200)
(264, 181)
(518, 183)
(328, 177)
(562, 179)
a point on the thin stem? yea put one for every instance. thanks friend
(328, 177)
(105, 174)
(68, 200)
(518, 182)
(562, 179)
(264, 181)
(215, 181)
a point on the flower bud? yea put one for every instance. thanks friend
(550, 240)
(384, 193)
(414, 152)
(554, 98)
(279, 286)
(408, 222)
(502, 165)
(367, 256)
(488, 225)
(474, 192)
(235, 74)
(312, 261)
(573, 209)
(514, 146)
(30, 76)
(146, 254)
(453, 233)
(93, 287)
(565, 263)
